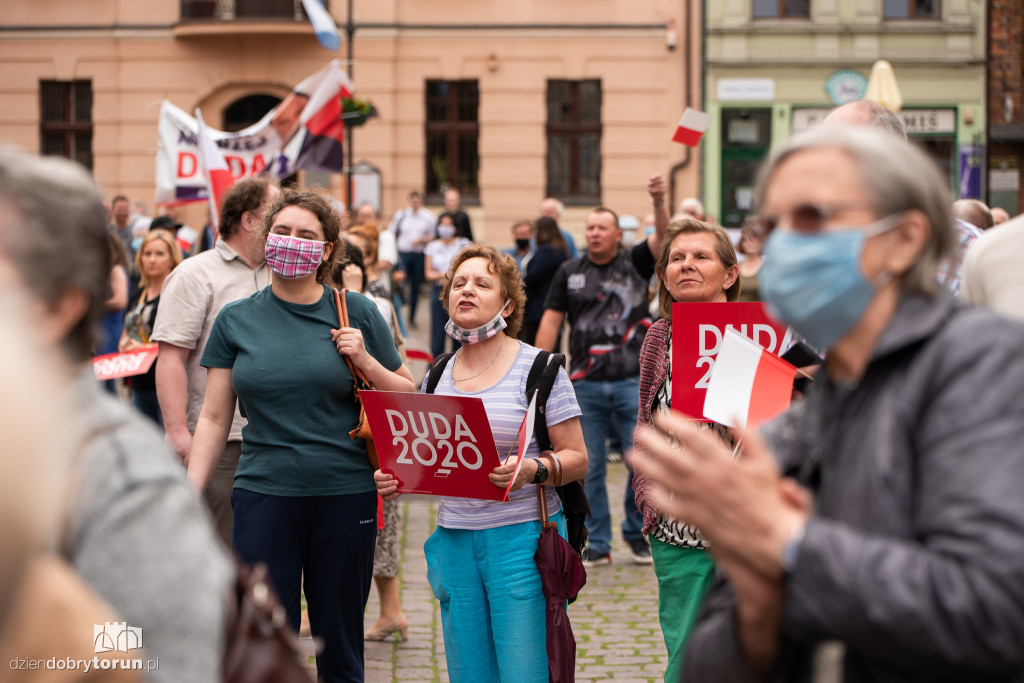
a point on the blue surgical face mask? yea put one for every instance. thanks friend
(813, 283)
(136, 243)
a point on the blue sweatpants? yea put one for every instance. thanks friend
(492, 604)
(327, 541)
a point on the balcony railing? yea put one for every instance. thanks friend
(230, 10)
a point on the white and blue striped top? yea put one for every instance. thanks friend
(505, 403)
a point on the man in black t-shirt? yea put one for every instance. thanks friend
(604, 296)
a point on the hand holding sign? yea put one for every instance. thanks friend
(508, 475)
(430, 444)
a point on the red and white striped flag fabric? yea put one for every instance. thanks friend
(748, 385)
(218, 176)
(523, 440)
(319, 145)
(691, 127)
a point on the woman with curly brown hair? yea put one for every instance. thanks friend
(303, 500)
(480, 559)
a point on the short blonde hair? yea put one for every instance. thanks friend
(502, 265)
(172, 245)
(723, 250)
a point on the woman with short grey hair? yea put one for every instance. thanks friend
(875, 531)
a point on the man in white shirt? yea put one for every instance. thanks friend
(413, 227)
(192, 296)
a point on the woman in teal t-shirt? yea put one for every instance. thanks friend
(304, 500)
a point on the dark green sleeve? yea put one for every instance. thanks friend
(220, 348)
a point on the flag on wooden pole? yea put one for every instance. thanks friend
(218, 176)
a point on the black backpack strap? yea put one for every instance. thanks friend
(541, 379)
(436, 370)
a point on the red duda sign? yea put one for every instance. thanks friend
(127, 364)
(438, 445)
(697, 330)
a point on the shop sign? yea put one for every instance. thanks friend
(929, 120)
(746, 89)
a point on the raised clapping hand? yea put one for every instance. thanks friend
(744, 507)
(656, 187)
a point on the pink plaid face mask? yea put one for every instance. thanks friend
(293, 257)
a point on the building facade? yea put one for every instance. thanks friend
(511, 102)
(774, 67)
(1006, 105)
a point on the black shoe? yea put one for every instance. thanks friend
(591, 559)
(640, 551)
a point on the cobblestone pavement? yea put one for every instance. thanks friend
(615, 619)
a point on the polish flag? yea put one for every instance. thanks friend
(522, 442)
(691, 127)
(324, 26)
(748, 385)
(218, 176)
(320, 146)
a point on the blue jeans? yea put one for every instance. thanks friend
(146, 402)
(492, 604)
(608, 404)
(414, 267)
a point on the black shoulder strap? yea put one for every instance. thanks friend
(436, 369)
(541, 379)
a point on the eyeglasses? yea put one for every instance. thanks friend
(807, 217)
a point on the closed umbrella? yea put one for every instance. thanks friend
(562, 575)
(882, 87)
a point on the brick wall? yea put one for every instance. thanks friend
(1006, 83)
(1006, 60)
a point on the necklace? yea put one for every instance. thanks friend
(500, 347)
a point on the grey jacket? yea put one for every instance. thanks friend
(139, 536)
(914, 558)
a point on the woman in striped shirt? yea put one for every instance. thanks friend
(480, 559)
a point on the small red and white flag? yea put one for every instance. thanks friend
(691, 127)
(748, 385)
(523, 440)
(218, 176)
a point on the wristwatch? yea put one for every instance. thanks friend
(542, 473)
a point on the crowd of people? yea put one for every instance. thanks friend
(871, 532)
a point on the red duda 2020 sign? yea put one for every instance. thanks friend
(697, 330)
(439, 445)
(127, 364)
